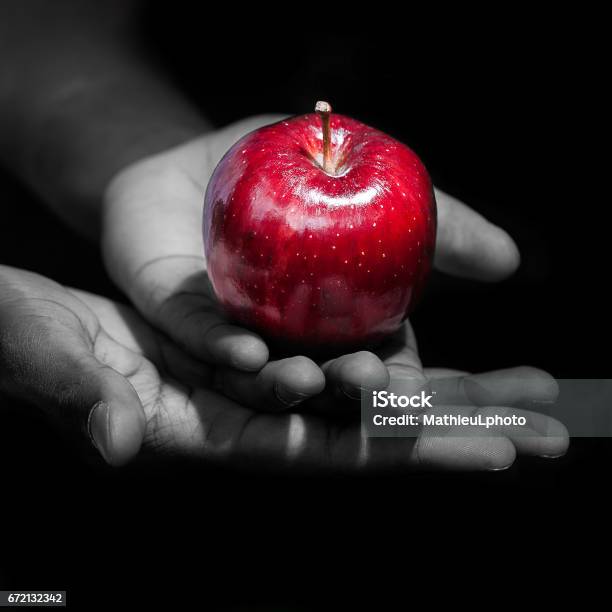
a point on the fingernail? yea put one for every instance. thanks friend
(500, 469)
(289, 398)
(475, 389)
(353, 393)
(98, 426)
(542, 403)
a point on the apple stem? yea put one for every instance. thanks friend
(324, 109)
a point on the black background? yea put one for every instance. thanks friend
(505, 109)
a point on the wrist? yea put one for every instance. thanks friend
(91, 127)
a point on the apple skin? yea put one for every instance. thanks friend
(316, 259)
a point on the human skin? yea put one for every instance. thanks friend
(161, 196)
(124, 158)
(116, 387)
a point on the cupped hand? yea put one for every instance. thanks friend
(152, 243)
(111, 382)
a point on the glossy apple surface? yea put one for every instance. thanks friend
(319, 258)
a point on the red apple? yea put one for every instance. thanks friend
(319, 230)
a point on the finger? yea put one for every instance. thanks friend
(467, 245)
(212, 427)
(132, 332)
(509, 387)
(347, 380)
(193, 319)
(153, 249)
(280, 385)
(432, 373)
(116, 423)
(461, 448)
(55, 368)
(115, 419)
(541, 436)
(400, 356)
(48, 357)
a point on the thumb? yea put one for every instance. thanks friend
(109, 412)
(469, 246)
(53, 366)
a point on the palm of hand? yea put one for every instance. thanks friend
(195, 421)
(93, 350)
(153, 244)
(154, 251)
